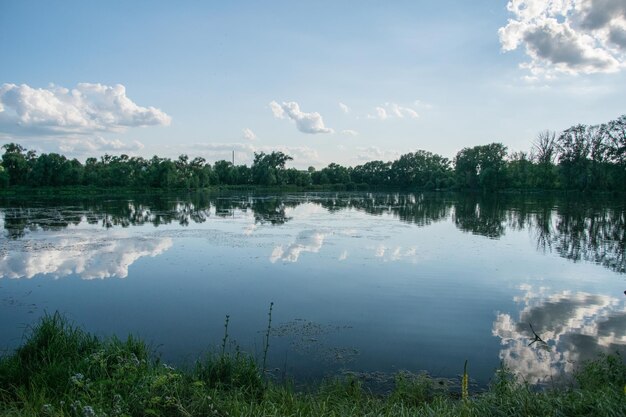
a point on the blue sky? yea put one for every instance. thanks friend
(205, 78)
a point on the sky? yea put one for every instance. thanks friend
(324, 81)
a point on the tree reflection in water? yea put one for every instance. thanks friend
(576, 228)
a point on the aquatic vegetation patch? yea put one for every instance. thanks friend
(311, 339)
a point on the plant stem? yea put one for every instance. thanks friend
(225, 335)
(267, 337)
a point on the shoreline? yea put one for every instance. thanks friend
(92, 191)
(63, 370)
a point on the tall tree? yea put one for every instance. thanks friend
(15, 162)
(268, 169)
(421, 169)
(615, 132)
(481, 167)
(574, 148)
(544, 153)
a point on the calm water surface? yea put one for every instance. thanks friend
(361, 282)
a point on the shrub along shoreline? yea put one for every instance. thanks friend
(62, 370)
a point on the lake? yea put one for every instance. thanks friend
(361, 282)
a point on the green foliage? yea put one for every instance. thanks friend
(481, 167)
(416, 390)
(607, 372)
(15, 161)
(377, 173)
(4, 178)
(236, 371)
(349, 388)
(586, 158)
(61, 370)
(332, 174)
(269, 169)
(422, 170)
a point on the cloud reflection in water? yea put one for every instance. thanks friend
(306, 241)
(575, 326)
(88, 255)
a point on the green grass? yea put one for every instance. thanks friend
(61, 370)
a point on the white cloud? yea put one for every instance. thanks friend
(567, 36)
(85, 109)
(305, 122)
(248, 134)
(344, 108)
(277, 110)
(349, 132)
(391, 110)
(410, 112)
(90, 145)
(375, 153)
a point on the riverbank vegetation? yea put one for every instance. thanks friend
(61, 370)
(584, 158)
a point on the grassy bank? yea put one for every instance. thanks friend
(61, 370)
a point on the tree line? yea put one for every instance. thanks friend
(581, 157)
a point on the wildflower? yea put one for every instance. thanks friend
(88, 411)
(77, 379)
(47, 409)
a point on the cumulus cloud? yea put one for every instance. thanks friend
(344, 108)
(349, 132)
(391, 110)
(277, 110)
(91, 145)
(567, 36)
(75, 145)
(88, 255)
(248, 134)
(305, 122)
(85, 109)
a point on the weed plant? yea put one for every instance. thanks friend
(61, 370)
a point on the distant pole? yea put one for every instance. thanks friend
(233, 158)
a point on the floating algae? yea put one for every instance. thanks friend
(311, 339)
